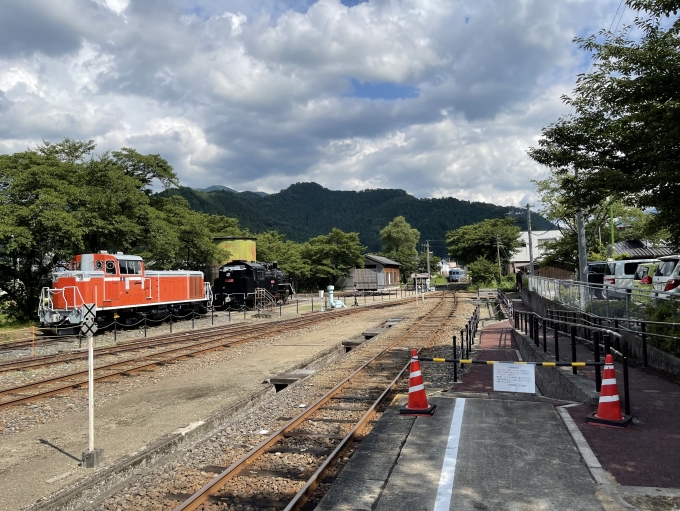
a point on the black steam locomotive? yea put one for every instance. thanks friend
(237, 281)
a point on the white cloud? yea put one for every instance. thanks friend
(258, 95)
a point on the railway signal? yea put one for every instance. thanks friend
(93, 456)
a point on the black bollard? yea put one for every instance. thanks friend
(573, 348)
(626, 393)
(643, 329)
(545, 334)
(607, 344)
(455, 366)
(596, 358)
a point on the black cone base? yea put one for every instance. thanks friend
(429, 411)
(597, 421)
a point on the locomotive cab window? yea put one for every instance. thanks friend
(259, 275)
(130, 267)
(111, 267)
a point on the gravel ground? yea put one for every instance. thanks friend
(41, 442)
(188, 471)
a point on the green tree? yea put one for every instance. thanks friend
(58, 201)
(333, 255)
(622, 137)
(272, 246)
(421, 266)
(482, 271)
(636, 224)
(468, 243)
(399, 241)
(37, 225)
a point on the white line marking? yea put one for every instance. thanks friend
(58, 478)
(445, 490)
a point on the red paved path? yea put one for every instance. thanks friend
(496, 344)
(648, 453)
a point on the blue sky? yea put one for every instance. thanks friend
(437, 98)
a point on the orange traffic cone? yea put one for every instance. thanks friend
(417, 399)
(609, 408)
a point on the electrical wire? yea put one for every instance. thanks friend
(592, 64)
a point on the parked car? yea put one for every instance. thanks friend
(642, 287)
(666, 280)
(618, 276)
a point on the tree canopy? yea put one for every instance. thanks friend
(471, 242)
(399, 241)
(59, 200)
(333, 255)
(622, 138)
(631, 223)
(305, 210)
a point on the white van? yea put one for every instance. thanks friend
(618, 276)
(667, 276)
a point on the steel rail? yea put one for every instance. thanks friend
(198, 334)
(202, 495)
(159, 358)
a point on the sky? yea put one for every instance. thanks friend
(439, 98)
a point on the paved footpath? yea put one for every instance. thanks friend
(480, 451)
(648, 453)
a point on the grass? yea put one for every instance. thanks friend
(6, 323)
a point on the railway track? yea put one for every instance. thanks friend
(325, 430)
(181, 345)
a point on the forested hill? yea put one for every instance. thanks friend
(305, 210)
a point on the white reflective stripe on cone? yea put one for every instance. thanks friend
(608, 399)
(414, 359)
(416, 388)
(609, 381)
(414, 374)
(609, 367)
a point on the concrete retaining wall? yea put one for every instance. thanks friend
(633, 343)
(556, 382)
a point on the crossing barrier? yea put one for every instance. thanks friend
(491, 362)
(602, 340)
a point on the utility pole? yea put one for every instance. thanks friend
(428, 257)
(610, 251)
(498, 253)
(531, 250)
(581, 235)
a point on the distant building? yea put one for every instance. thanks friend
(445, 265)
(378, 273)
(539, 240)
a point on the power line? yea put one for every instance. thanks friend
(592, 64)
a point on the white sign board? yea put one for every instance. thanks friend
(508, 377)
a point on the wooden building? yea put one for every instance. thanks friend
(378, 273)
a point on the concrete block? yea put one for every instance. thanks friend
(92, 459)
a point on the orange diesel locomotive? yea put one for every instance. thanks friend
(119, 286)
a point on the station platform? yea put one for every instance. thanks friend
(475, 453)
(481, 451)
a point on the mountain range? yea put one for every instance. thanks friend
(306, 210)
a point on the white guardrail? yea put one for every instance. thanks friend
(601, 299)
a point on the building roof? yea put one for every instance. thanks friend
(638, 250)
(382, 260)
